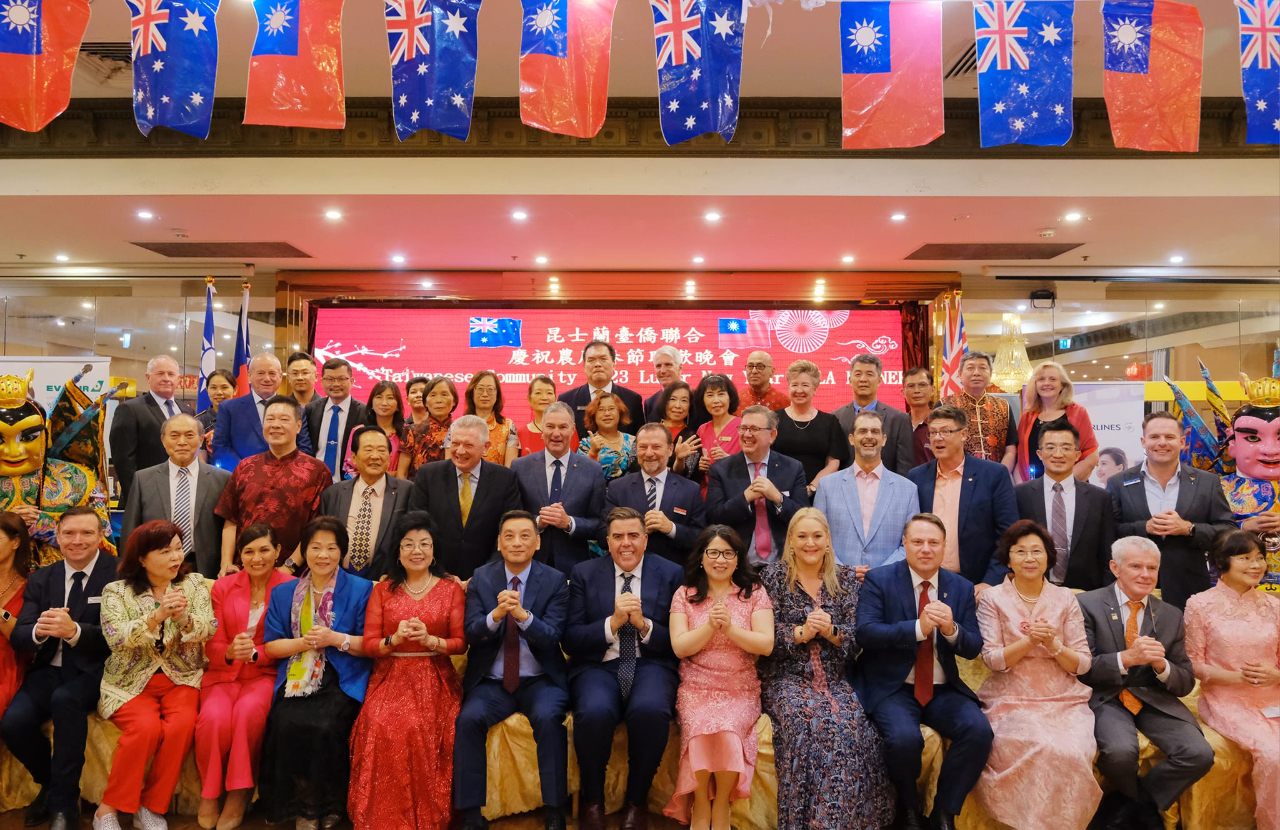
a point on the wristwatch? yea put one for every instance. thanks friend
(835, 632)
(291, 565)
(5, 616)
(388, 642)
(253, 658)
(346, 643)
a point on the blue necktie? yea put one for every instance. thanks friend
(627, 636)
(169, 405)
(331, 445)
(557, 484)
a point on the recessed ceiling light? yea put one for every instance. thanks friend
(1158, 306)
(519, 215)
(541, 260)
(219, 354)
(1085, 375)
(398, 259)
(898, 217)
(295, 346)
(555, 289)
(821, 282)
(226, 337)
(1093, 361)
(332, 214)
(145, 214)
(1022, 307)
(266, 345)
(1126, 357)
(1073, 371)
(173, 348)
(1072, 217)
(699, 260)
(1104, 366)
(712, 216)
(86, 304)
(427, 283)
(173, 326)
(62, 257)
(847, 258)
(1176, 258)
(217, 305)
(689, 283)
(60, 321)
(555, 278)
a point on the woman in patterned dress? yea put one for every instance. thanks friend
(606, 443)
(484, 398)
(430, 437)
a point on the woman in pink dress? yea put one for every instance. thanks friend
(720, 621)
(1233, 640)
(1039, 775)
(717, 398)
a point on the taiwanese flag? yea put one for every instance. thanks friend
(1260, 68)
(1154, 52)
(743, 333)
(891, 59)
(432, 44)
(699, 51)
(564, 65)
(175, 64)
(39, 43)
(295, 74)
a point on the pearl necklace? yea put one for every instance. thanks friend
(1028, 600)
(418, 593)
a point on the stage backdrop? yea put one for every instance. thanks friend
(396, 344)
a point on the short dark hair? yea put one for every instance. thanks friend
(916, 370)
(514, 515)
(253, 533)
(414, 381)
(79, 510)
(655, 426)
(974, 354)
(621, 514)
(613, 353)
(714, 381)
(664, 398)
(448, 384)
(283, 400)
(1059, 425)
(146, 538)
(1233, 542)
(322, 524)
(11, 525)
(1156, 415)
(1116, 455)
(334, 363)
(745, 576)
(927, 518)
(1020, 530)
(409, 522)
(225, 374)
(296, 356)
(867, 359)
(947, 412)
(470, 394)
(540, 379)
(869, 413)
(364, 429)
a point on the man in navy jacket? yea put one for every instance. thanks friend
(677, 515)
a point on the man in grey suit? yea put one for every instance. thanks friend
(181, 490)
(135, 427)
(564, 490)
(369, 505)
(865, 373)
(1176, 506)
(1140, 669)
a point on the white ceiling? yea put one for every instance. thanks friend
(800, 59)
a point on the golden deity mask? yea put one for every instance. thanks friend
(23, 438)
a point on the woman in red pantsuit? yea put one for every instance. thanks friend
(156, 621)
(235, 695)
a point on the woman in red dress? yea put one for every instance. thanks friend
(15, 564)
(402, 744)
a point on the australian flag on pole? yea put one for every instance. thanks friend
(1024, 71)
(175, 63)
(494, 332)
(1260, 68)
(699, 51)
(432, 44)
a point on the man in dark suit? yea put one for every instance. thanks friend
(301, 369)
(61, 624)
(238, 433)
(369, 505)
(184, 491)
(564, 489)
(621, 667)
(672, 505)
(666, 368)
(973, 497)
(865, 374)
(1077, 514)
(914, 619)
(135, 427)
(1139, 670)
(516, 611)
(331, 419)
(756, 492)
(598, 359)
(1176, 506)
(466, 496)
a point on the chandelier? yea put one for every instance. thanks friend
(1013, 367)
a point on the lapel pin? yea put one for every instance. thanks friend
(1114, 617)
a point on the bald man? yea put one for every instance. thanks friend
(238, 433)
(135, 427)
(759, 390)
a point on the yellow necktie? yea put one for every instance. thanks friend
(1130, 634)
(464, 497)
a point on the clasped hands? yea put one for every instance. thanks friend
(626, 609)
(762, 487)
(937, 615)
(816, 624)
(1043, 632)
(1169, 523)
(1257, 674)
(416, 630)
(719, 617)
(655, 521)
(509, 603)
(57, 623)
(173, 605)
(1145, 651)
(553, 515)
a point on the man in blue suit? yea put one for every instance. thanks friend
(973, 497)
(914, 618)
(621, 667)
(238, 433)
(867, 505)
(671, 504)
(516, 611)
(756, 492)
(564, 490)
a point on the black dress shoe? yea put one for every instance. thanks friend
(1121, 814)
(38, 810)
(474, 823)
(634, 817)
(943, 821)
(909, 819)
(553, 819)
(591, 815)
(64, 821)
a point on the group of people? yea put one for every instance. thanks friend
(698, 558)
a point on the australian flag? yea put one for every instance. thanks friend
(1260, 68)
(494, 332)
(699, 50)
(432, 44)
(175, 64)
(1024, 71)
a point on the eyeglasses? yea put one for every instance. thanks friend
(720, 554)
(744, 430)
(943, 433)
(756, 367)
(410, 547)
(1054, 449)
(1250, 558)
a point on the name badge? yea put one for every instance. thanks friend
(582, 409)
(95, 600)
(679, 511)
(1133, 481)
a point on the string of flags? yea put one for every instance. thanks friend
(891, 66)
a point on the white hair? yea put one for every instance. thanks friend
(472, 422)
(151, 364)
(670, 351)
(264, 356)
(1127, 544)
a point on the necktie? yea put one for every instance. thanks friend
(182, 509)
(653, 494)
(75, 597)
(1058, 527)
(626, 648)
(1130, 634)
(511, 648)
(331, 443)
(557, 483)
(924, 655)
(359, 557)
(464, 497)
(168, 405)
(763, 539)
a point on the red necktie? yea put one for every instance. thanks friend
(763, 539)
(511, 649)
(924, 656)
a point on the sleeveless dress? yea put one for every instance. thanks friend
(13, 664)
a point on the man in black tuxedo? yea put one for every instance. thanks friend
(60, 622)
(331, 419)
(598, 359)
(1076, 513)
(373, 548)
(756, 492)
(516, 611)
(466, 496)
(135, 427)
(671, 504)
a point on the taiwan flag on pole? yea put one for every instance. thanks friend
(433, 64)
(240, 362)
(564, 65)
(295, 74)
(1153, 57)
(1260, 68)
(208, 350)
(891, 60)
(175, 64)
(39, 44)
(1024, 71)
(699, 49)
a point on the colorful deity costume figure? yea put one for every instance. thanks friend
(1254, 443)
(50, 465)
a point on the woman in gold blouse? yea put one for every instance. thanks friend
(156, 620)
